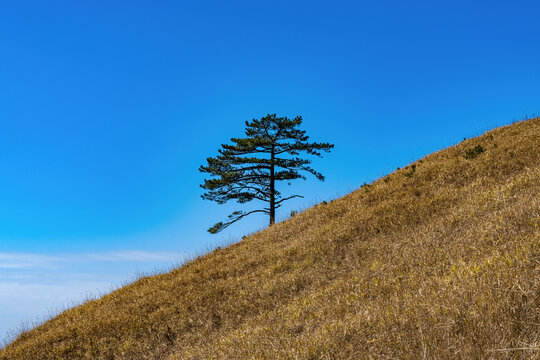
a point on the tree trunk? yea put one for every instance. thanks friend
(272, 190)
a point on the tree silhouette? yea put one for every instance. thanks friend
(249, 168)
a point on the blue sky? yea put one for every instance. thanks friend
(108, 108)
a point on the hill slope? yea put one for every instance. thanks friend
(439, 260)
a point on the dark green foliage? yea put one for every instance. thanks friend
(324, 203)
(216, 228)
(249, 168)
(293, 213)
(411, 172)
(473, 152)
(366, 187)
(386, 179)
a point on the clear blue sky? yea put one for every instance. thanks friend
(108, 108)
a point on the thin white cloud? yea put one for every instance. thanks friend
(24, 261)
(34, 260)
(133, 255)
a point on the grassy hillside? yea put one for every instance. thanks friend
(440, 259)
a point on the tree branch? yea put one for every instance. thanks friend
(288, 198)
(234, 217)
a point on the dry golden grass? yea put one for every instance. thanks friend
(441, 262)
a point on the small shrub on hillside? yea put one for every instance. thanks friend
(293, 213)
(324, 203)
(386, 179)
(411, 172)
(473, 152)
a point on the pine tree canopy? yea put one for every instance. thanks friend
(248, 168)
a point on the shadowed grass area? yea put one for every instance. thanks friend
(438, 260)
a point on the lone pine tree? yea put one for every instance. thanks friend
(250, 167)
